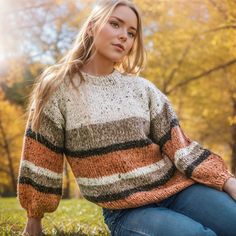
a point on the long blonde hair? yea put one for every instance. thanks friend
(80, 54)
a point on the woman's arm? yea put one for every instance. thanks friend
(230, 187)
(33, 227)
(39, 186)
(189, 157)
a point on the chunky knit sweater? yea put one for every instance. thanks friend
(123, 142)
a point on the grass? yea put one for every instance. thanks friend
(72, 217)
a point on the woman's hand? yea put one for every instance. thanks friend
(33, 227)
(230, 187)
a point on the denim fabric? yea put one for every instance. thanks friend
(196, 211)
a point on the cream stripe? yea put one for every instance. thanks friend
(41, 171)
(186, 150)
(124, 185)
(182, 159)
(122, 176)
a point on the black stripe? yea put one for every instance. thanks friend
(108, 149)
(28, 173)
(41, 139)
(124, 194)
(201, 158)
(40, 188)
(167, 136)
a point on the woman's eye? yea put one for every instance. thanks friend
(114, 24)
(132, 35)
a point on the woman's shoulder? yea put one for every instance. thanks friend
(146, 84)
(135, 79)
(56, 94)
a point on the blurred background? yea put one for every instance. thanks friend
(191, 47)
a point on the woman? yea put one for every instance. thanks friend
(122, 139)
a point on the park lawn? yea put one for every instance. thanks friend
(72, 217)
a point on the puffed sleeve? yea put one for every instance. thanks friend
(189, 157)
(39, 185)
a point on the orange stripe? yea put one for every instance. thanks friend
(176, 184)
(178, 140)
(115, 162)
(212, 172)
(36, 203)
(40, 155)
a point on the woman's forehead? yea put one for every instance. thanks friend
(125, 15)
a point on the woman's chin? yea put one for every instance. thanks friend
(117, 60)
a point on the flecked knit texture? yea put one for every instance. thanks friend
(123, 141)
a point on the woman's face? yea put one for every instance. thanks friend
(116, 38)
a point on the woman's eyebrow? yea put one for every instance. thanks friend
(123, 22)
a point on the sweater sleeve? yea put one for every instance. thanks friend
(39, 185)
(189, 157)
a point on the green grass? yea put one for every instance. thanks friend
(72, 217)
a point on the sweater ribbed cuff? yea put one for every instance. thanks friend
(35, 214)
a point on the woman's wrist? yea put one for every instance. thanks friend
(34, 219)
(230, 182)
(230, 187)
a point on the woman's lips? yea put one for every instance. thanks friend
(119, 47)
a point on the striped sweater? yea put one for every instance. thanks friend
(123, 142)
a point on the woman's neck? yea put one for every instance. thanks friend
(98, 67)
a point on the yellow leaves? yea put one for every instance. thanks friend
(14, 70)
(232, 120)
(11, 135)
(209, 112)
(231, 9)
(11, 116)
(205, 112)
(234, 95)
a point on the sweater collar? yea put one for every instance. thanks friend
(109, 79)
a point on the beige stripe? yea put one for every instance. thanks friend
(175, 185)
(102, 135)
(161, 122)
(42, 180)
(40, 171)
(121, 182)
(184, 157)
(50, 131)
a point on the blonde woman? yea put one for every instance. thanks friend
(122, 139)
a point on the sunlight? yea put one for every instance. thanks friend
(4, 9)
(8, 41)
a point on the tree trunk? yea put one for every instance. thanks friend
(233, 144)
(6, 147)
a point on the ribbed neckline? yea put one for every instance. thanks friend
(109, 79)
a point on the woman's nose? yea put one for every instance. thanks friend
(123, 35)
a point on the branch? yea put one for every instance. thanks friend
(220, 28)
(177, 67)
(203, 74)
(218, 8)
(4, 170)
(187, 49)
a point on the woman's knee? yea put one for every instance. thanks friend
(226, 223)
(210, 207)
(155, 221)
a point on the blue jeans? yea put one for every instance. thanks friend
(195, 211)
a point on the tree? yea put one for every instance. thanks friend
(11, 129)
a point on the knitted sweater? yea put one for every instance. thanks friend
(123, 142)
